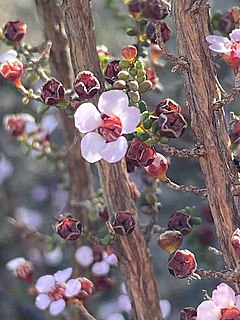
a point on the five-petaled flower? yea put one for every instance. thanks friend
(224, 305)
(229, 47)
(115, 120)
(11, 68)
(54, 291)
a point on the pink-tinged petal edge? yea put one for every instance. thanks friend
(87, 118)
(61, 276)
(45, 283)
(235, 35)
(91, 146)
(73, 287)
(223, 296)
(42, 301)
(113, 102)
(208, 310)
(130, 118)
(114, 151)
(57, 307)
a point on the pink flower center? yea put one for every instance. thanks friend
(111, 128)
(234, 47)
(57, 292)
(231, 313)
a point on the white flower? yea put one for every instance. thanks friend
(224, 302)
(100, 268)
(124, 303)
(53, 257)
(224, 45)
(53, 290)
(31, 218)
(117, 119)
(84, 256)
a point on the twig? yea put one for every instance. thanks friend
(197, 6)
(231, 97)
(229, 276)
(235, 189)
(179, 62)
(84, 315)
(191, 189)
(215, 251)
(184, 153)
(31, 96)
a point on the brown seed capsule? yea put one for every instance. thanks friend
(68, 228)
(170, 240)
(111, 71)
(140, 154)
(182, 264)
(52, 92)
(14, 30)
(180, 221)
(123, 222)
(171, 124)
(86, 85)
(155, 10)
(167, 105)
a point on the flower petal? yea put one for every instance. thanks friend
(114, 151)
(100, 268)
(15, 263)
(84, 256)
(223, 296)
(115, 316)
(56, 307)
(165, 308)
(208, 310)
(91, 145)
(42, 301)
(113, 102)
(62, 275)
(45, 283)
(235, 35)
(49, 123)
(87, 118)
(73, 286)
(8, 56)
(219, 47)
(217, 39)
(237, 302)
(130, 118)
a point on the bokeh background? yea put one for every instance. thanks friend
(34, 191)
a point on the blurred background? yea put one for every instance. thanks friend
(33, 191)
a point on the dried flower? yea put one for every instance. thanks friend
(171, 124)
(52, 92)
(14, 30)
(86, 84)
(182, 264)
(180, 221)
(111, 71)
(118, 119)
(155, 10)
(170, 240)
(188, 314)
(141, 154)
(158, 167)
(224, 305)
(54, 291)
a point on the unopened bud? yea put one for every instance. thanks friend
(170, 240)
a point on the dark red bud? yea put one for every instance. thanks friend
(14, 125)
(235, 240)
(205, 235)
(104, 214)
(155, 10)
(182, 264)
(141, 154)
(188, 314)
(86, 85)
(14, 30)
(68, 228)
(167, 105)
(171, 124)
(123, 222)
(111, 71)
(102, 283)
(135, 7)
(180, 221)
(52, 92)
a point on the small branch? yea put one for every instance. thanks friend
(191, 189)
(235, 189)
(83, 313)
(229, 98)
(184, 153)
(24, 92)
(197, 6)
(229, 276)
(179, 62)
(215, 251)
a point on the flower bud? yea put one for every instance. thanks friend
(133, 85)
(112, 70)
(188, 314)
(129, 52)
(123, 222)
(180, 221)
(14, 30)
(135, 7)
(86, 85)
(158, 167)
(52, 92)
(123, 75)
(14, 125)
(68, 228)
(86, 288)
(235, 240)
(155, 10)
(167, 105)
(21, 269)
(182, 264)
(226, 22)
(151, 32)
(119, 84)
(145, 86)
(134, 96)
(141, 153)
(170, 240)
(171, 124)
(104, 214)
(11, 69)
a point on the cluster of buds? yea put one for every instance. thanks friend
(150, 9)
(128, 74)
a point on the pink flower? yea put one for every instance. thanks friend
(11, 68)
(115, 120)
(54, 291)
(223, 305)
